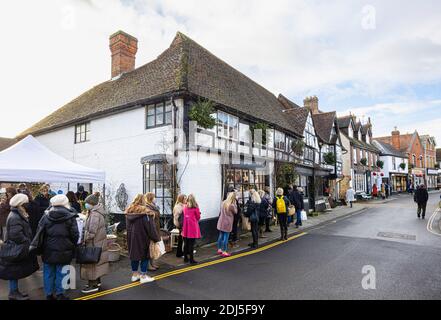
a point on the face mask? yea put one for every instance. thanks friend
(88, 206)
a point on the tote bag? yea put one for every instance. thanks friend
(304, 216)
(156, 249)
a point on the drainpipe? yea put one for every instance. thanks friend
(175, 151)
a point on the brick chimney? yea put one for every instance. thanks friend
(396, 139)
(312, 104)
(123, 48)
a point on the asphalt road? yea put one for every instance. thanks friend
(326, 263)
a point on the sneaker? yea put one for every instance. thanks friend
(16, 295)
(146, 279)
(226, 254)
(219, 251)
(90, 289)
(136, 278)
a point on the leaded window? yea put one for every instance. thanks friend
(157, 179)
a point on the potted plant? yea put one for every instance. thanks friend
(380, 164)
(330, 158)
(201, 112)
(403, 166)
(363, 161)
(297, 147)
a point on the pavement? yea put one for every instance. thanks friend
(325, 249)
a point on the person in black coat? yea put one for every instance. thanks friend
(18, 235)
(421, 197)
(253, 212)
(234, 235)
(57, 237)
(42, 203)
(73, 201)
(296, 199)
(265, 206)
(81, 194)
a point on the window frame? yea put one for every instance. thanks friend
(86, 132)
(225, 129)
(166, 110)
(164, 181)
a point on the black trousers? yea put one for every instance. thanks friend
(283, 222)
(267, 224)
(179, 250)
(422, 207)
(255, 232)
(189, 247)
(234, 235)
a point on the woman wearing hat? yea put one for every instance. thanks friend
(95, 235)
(60, 236)
(18, 232)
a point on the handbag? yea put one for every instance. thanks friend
(13, 252)
(88, 255)
(156, 249)
(291, 211)
(246, 225)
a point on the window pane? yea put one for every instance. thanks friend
(151, 110)
(150, 121)
(168, 107)
(159, 119)
(168, 118)
(83, 136)
(152, 171)
(159, 108)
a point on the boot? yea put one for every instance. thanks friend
(17, 295)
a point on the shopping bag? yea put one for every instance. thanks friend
(161, 246)
(304, 216)
(291, 211)
(246, 225)
(157, 249)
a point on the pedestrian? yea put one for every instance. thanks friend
(141, 230)
(228, 210)
(375, 191)
(269, 215)
(81, 194)
(289, 192)
(153, 209)
(19, 234)
(265, 205)
(383, 191)
(73, 201)
(280, 205)
(190, 229)
(252, 212)
(178, 219)
(234, 235)
(386, 189)
(42, 200)
(296, 199)
(57, 237)
(350, 196)
(95, 235)
(421, 197)
(5, 209)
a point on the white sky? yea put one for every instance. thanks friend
(52, 51)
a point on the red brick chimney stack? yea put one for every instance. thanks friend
(396, 139)
(312, 104)
(123, 48)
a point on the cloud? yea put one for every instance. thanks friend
(59, 49)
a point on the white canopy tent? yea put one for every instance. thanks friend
(30, 161)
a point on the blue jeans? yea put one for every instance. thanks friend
(299, 217)
(222, 241)
(53, 279)
(144, 264)
(13, 286)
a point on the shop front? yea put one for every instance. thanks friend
(359, 181)
(431, 177)
(398, 182)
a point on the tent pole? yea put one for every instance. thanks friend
(104, 195)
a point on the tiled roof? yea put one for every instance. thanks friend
(297, 117)
(343, 122)
(388, 149)
(6, 143)
(363, 145)
(323, 123)
(406, 141)
(184, 67)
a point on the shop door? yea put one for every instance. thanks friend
(311, 193)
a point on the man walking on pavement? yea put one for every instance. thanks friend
(297, 200)
(350, 196)
(421, 197)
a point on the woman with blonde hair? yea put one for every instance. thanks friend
(280, 205)
(225, 223)
(252, 212)
(178, 219)
(154, 210)
(141, 230)
(190, 229)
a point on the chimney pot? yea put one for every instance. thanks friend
(123, 47)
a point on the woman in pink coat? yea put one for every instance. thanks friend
(190, 229)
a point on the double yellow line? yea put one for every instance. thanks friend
(188, 269)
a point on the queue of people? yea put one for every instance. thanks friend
(47, 226)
